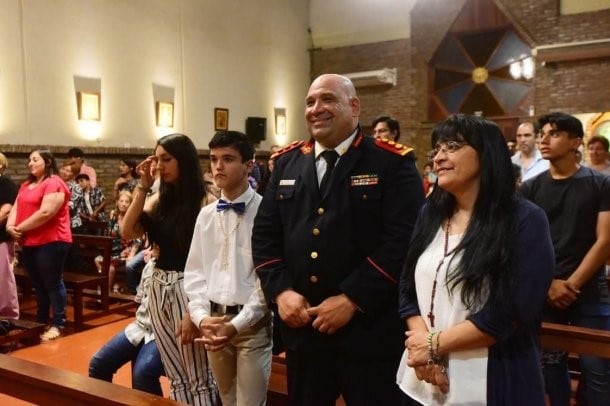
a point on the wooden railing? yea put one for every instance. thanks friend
(45, 385)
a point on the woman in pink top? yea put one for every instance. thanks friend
(40, 222)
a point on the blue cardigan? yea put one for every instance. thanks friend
(514, 374)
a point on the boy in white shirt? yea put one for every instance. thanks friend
(225, 297)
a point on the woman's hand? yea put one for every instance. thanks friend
(435, 375)
(14, 232)
(187, 331)
(417, 346)
(145, 171)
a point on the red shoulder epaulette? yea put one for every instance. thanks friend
(391, 146)
(290, 147)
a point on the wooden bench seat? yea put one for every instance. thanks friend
(24, 331)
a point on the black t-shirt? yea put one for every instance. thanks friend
(8, 194)
(172, 257)
(572, 206)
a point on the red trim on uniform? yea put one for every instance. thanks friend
(381, 271)
(307, 147)
(358, 139)
(271, 261)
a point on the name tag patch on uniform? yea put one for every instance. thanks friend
(364, 180)
(287, 182)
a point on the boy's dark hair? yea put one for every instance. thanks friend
(76, 153)
(81, 176)
(563, 122)
(233, 139)
(601, 140)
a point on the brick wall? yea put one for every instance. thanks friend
(573, 87)
(104, 160)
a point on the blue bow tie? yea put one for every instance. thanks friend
(223, 205)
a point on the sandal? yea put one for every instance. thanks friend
(50, 335)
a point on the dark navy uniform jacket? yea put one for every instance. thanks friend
(351, 241)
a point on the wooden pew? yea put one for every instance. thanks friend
(84, 282)
(24, 331)
(45, 385)
(577, 340)
(277, 391)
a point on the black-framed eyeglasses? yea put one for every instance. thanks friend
(448, 147)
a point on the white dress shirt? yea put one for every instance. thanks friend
(219, 267)
(340, 149)
(538, 165)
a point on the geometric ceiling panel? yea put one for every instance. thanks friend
(452, 98)
(511, 49)
(444, 78)
(481, 99)
(480, 45)
(502, 73)
(508, 92)
(450, 55)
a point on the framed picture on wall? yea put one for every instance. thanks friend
(221, 119)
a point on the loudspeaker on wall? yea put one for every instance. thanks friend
(255, 129)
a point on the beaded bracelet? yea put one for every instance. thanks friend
(433, 357)
(144, 188)
(438, 339)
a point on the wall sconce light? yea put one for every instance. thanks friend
(164, 113)
(88, 104)
(522, 69)
(280, 121)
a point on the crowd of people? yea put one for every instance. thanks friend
(379, 286)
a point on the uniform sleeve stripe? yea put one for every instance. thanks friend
(381, 271)
(271, 261)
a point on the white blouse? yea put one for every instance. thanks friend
(467, 370)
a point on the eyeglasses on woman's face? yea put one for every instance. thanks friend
(448, 147)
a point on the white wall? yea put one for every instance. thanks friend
(247, 56)
(337, 23)
(582, 6)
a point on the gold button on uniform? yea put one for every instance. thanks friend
(313, 279)
(315, 231)
(314, 255)
(321, 211)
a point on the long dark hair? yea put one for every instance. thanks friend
(487, 243)
(50, 166)
(180, 202)
(131, 164)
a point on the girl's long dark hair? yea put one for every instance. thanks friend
(131, 164)
(180, 202)
(483, 269)
(50, 165)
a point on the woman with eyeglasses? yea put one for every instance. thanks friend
(471, 292)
